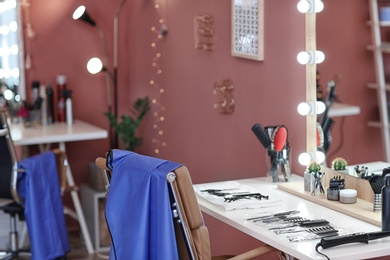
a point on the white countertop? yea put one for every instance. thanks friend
(55, 133)
(301, 250)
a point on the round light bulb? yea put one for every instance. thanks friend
(78, 12)
(8, 94)
(303, 57)
(318, 6)
(304, 159)
(320, 157)
(304, 108)
(320, 57)
(320, 107)
(94, 65)
(303, 6)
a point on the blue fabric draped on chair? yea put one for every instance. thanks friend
(38, 185)
(138, 210)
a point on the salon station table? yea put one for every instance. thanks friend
(304, 249)
(61, 133)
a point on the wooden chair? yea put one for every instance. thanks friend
(192, 237)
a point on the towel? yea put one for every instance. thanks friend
(138, 210)
(39, 187)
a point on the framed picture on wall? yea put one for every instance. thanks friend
(248, 29)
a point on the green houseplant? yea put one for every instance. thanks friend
(126, 128)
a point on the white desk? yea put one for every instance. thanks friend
(61, 133)
(56, 133)
(301, 250)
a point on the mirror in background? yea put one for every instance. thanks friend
(12, 85)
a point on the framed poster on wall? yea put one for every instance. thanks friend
(248, 29)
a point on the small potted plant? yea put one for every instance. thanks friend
(339, 164)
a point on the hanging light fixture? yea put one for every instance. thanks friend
(81, 14)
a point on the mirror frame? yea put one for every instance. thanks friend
(21, 59)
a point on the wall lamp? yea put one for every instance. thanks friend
(93, 64)
(310, 6)
(96, 65)
(81, 14)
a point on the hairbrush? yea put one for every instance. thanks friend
(262, 135)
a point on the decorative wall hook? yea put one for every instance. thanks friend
(203, 32)
(224, 90)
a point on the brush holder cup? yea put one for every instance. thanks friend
(278, 165)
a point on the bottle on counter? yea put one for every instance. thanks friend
(50, 103)
(61, 86)
(34, 92)
(43, 96)
(68, 106)
(386, 203)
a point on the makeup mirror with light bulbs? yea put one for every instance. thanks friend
(310, 57)
(12, 77)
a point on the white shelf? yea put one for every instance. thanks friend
(341, 109)
(376, 86)
(380, 48)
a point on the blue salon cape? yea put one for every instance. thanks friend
(138, 210)
(43, 209)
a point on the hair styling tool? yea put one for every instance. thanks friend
(319, 135)
(330, 97)
(262, 135)
(326, 127)
(327, 242)
(280, 142)
(280, 214)
(377, 182)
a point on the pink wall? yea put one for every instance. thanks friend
(213, 146)
(342, 34)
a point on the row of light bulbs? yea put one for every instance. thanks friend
(7, 5)
(304, 58)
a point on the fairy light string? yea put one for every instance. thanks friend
(158, 108)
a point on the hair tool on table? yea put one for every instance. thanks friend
(280, 143)
(262, 135)
(327, 242)
(274, 139)
(326, 128)
(320, 138)
(377, 182)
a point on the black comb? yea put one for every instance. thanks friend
(262, 135)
